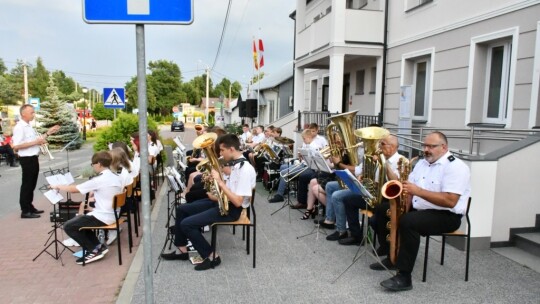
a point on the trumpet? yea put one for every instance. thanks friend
(45, 148)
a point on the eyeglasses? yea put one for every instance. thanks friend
(91, 164)
(431, 147)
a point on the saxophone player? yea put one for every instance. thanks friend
(438, 189)
(190, 218)
(27, 143)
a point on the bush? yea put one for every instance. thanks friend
(122, 127)
(234, 128)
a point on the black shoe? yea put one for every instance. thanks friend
(386, 262)
(14, 165)
(207, 264)
(30, 215)
(382, 251)
(336, 236)
(184, 256)
(398, 283)
(350, 241)
(327, 225)
(276, 199)
(37, 211)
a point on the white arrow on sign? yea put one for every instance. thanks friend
(138, 7)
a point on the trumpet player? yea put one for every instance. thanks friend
(190, 218)
(27, 143)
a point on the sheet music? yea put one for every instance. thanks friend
(53, 196)
(178, 142)
(57, 179)
(352, 183)
(321, 162)
(172, 183)
(69, 178)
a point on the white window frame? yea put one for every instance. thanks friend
(426, 88)
(503, 97)
(535, 88)
(513, 35)
(420, 56)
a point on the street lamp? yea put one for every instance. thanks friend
(84, 90)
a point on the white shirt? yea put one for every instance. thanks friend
(153, 149)
(319, 142)
(242, 181)
(447, 174)
(258, 138)
(159, 145)
(23, 133)
(245, 136)
(105, 186)
(135, 165)
(125, 177)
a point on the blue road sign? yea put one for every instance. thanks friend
(114, 98)
(35, 102)
(138, 11)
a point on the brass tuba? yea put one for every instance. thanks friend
(373, 163)
(343, 123)
(393, 191)
(206, 143)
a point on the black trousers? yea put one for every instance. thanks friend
(418, 223)
(85, 238)
(30, 172)
(9, 151)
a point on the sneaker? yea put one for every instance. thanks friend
(337, 236)
(104, 249)
(70, 243)
(276, 199)
(184, 256)
(90, 257)
(112, 236)
(207, 264)
(350, 241)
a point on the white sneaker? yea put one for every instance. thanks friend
(112, 237)
(70, 243)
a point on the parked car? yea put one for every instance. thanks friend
(177, 126)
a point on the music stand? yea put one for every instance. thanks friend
(354, 185)
(56, 224)
(322, 166)
(306, 155)
(175, 189)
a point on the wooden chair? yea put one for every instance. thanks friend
(118, 201)
(458, 233)
(127, 213)
(247, 220)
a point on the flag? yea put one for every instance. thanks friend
(261, 51)
(255, 56)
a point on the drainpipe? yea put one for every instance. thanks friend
(293, 17)
(385, 49)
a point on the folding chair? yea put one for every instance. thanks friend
(247, 220)
(457, 233)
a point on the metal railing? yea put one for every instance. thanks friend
(321, 119)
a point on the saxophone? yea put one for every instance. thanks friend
(206, 143)
(393, 191)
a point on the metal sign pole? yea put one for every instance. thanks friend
(145, 177)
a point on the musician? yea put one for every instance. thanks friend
(246, 135)
(27, 142)
(389, 147)
(258, 162)
(438, 189)
(190, 218)
(5, 148)
(317, 143)
(104, 186)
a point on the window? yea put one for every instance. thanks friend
(496, 87)
(356, 4)
(360, 82)
(412, 4)
(420, 88)
(373, 84)
(417, 70)
(271, 105)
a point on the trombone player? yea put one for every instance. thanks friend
(27, 142)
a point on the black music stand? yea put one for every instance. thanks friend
(321, 166)
(175, 189)
(306, 155)
(358, 188)
(53, 232)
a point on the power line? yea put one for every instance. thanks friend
(222, 34)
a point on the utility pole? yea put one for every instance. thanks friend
(207, 92)
(25, 73)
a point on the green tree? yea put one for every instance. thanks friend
(223, 88)
(54, 111)
(3, 67)
(100, 113)
(121, 129)
(66, 85)
(38, 80)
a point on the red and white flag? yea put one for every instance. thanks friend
(258, 58)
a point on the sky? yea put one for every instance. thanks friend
(104, 55)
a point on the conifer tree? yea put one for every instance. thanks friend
(57, 112)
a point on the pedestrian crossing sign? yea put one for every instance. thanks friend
(114, 98)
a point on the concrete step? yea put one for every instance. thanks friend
(520, 256)
(529, 241)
